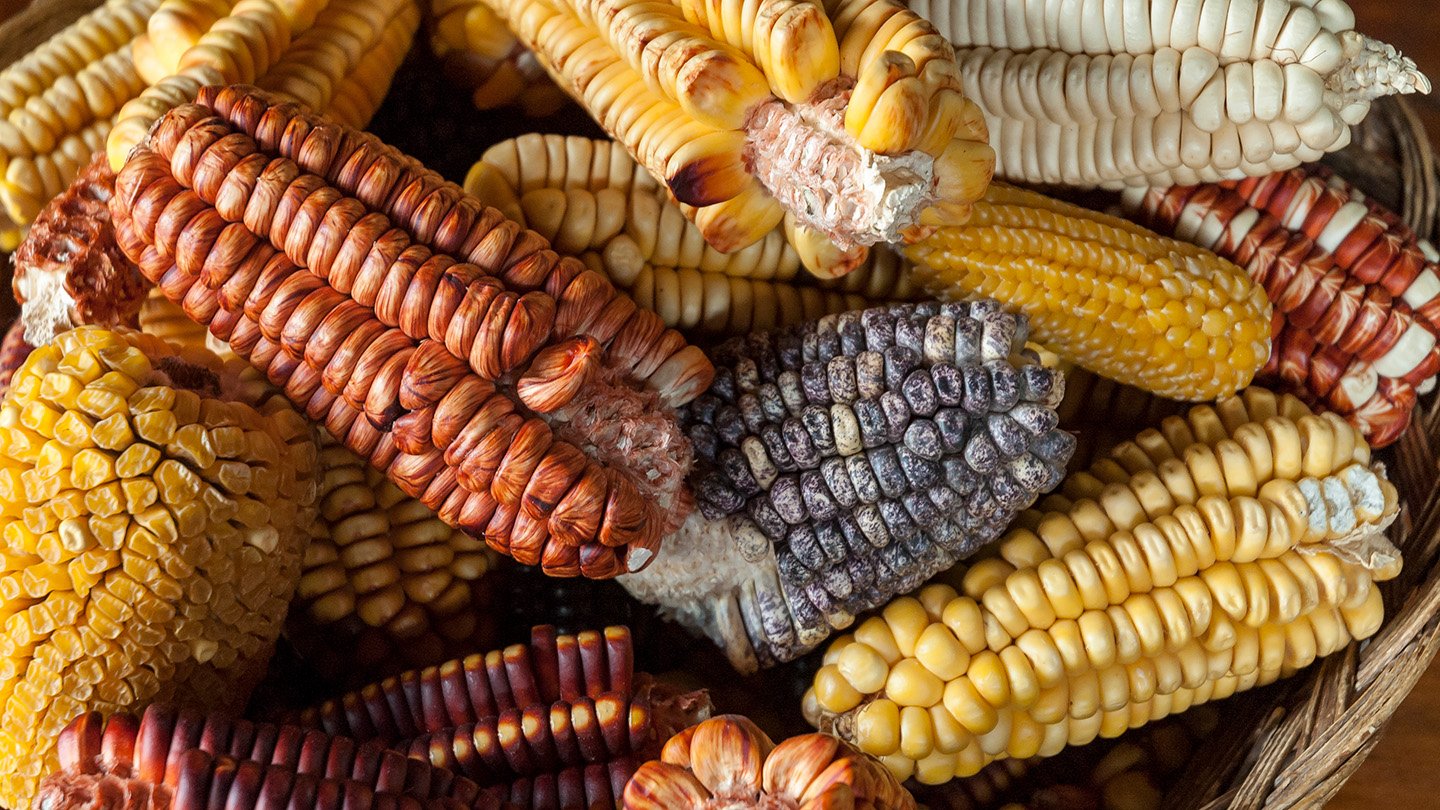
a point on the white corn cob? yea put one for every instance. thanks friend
(1165, 92)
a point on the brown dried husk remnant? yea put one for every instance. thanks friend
(516, 393)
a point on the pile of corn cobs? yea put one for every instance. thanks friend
(289, 412)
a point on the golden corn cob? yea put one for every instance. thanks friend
(591, 200)
(56, 104)
(384, 583)
(480, 54)
(848, 118)
(239, 47)
(1159, 314)
(1224, 550)
(359, 94)
(154, 510)
(727, 761)
(173, 29)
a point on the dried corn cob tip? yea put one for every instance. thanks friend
(848, 116)
(13, 351)
(385, 584)
(57, 101)
(69, 270)
(590, 199)
(183, 759)
(481, 55)
(1166, 93)
(845, 461)
(154, 521)
(413, 359)
(728, 761)
(525, 715)
(1357, 299)
(1225, 549)
(1147, 311)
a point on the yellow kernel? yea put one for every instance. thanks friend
(186, 407)
(152, 399)
(917, 735)
(126, 360)
(910, 684)
(40, 418)
(60, 390)
(177, 482)
(192, 443)
(864, 668)
(156, 427)
(941, 653)
(877, 727)
(833, 692)
(157, 519)
(113, 432)
(91, 468)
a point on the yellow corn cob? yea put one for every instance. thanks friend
(1138, 308)
(1224, 550)
(155, 506)
(479, 52)
(360, 92)
(56, 103)
(590, 199)
(748, 112)
(175, 26)
(386, 585)
(239, 48)
(350, 39)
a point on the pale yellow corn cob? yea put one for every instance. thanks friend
(590, 199)
(1224, 550)
(175, 26)
(154, 504)
(748, 112)
(360, 93)
(1156, 313)
(482, 54)
(239, 48)
(56, 103)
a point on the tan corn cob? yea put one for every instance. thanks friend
(56, 104)
(359, 94)
(239, 47)
(481, 54)
(1222, 551)
(846, 120)
(174, 28)
(155, 503)
(1141, 309)
(591, 200)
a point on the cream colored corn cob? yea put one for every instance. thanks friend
(359, 94)
(479, 52)
(174, 28)
(154, 503)
(1141, 309)
(1222, 551)
(347, 36)
(56, 104)
(1166, 92)
(590, 199)
(846, 120)
(238, 48)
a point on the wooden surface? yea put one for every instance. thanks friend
(1404, 770)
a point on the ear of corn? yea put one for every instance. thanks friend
(482, 55)
(174, 28)
(1223, 551)
(154, 515)
(847, 118)
(1357, 298)
(1160, 92)
(846, 461)
(57, 101)
(238, 47)
(1138, 308)
(421, 391)
(728, 761)
(591, 200)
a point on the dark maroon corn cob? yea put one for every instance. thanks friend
(551, 668)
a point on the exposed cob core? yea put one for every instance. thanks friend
(844, 120)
